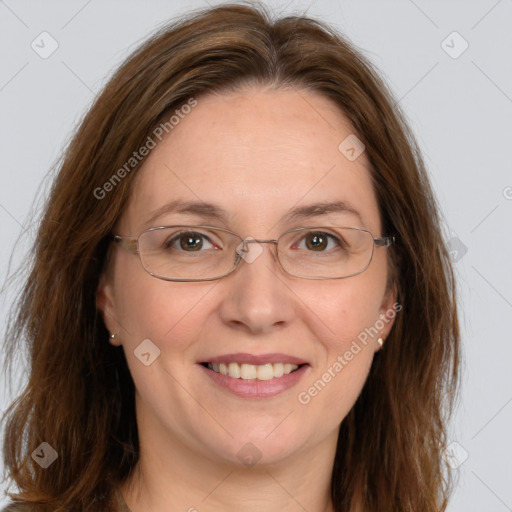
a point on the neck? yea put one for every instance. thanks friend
(170, 476)
(232, 490)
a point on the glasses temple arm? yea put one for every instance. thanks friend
(385, 241)
(130, 244)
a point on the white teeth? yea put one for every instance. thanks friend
(247, 371)
(278, 369)
(250, 371)
(234, 370)
(265, 372)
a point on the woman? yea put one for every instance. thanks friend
(239, 287)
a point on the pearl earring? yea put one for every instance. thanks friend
(112, 336)
(380, 341)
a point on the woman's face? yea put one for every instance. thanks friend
(257, 155)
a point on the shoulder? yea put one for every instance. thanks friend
(26, 507)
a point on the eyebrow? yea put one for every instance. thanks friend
(215, 212)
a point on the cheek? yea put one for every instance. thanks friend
(349, 307)
(163, 311)
(168, 315)
(350, 310)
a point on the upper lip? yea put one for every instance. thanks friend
(255, 359)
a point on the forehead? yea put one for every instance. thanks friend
(257, 154)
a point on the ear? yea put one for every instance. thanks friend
(105, 305)
(388, 311)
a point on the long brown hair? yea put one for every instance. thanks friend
(80, 395)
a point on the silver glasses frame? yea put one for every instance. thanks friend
(131, 244)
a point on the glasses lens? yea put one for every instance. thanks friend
(188, 252)
(325, 253)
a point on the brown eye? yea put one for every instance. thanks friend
(316, 241)
(190, 241)
(320, 241)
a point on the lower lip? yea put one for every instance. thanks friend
(255, 388)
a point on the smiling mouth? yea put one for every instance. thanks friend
(253, 372)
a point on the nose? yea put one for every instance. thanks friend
(257, 297)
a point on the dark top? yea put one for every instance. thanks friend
(24, 507)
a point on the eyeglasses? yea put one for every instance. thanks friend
(206, 253)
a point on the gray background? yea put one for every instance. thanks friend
(460, 109)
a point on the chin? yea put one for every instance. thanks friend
(246, 450)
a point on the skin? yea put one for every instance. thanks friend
(257, 153)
